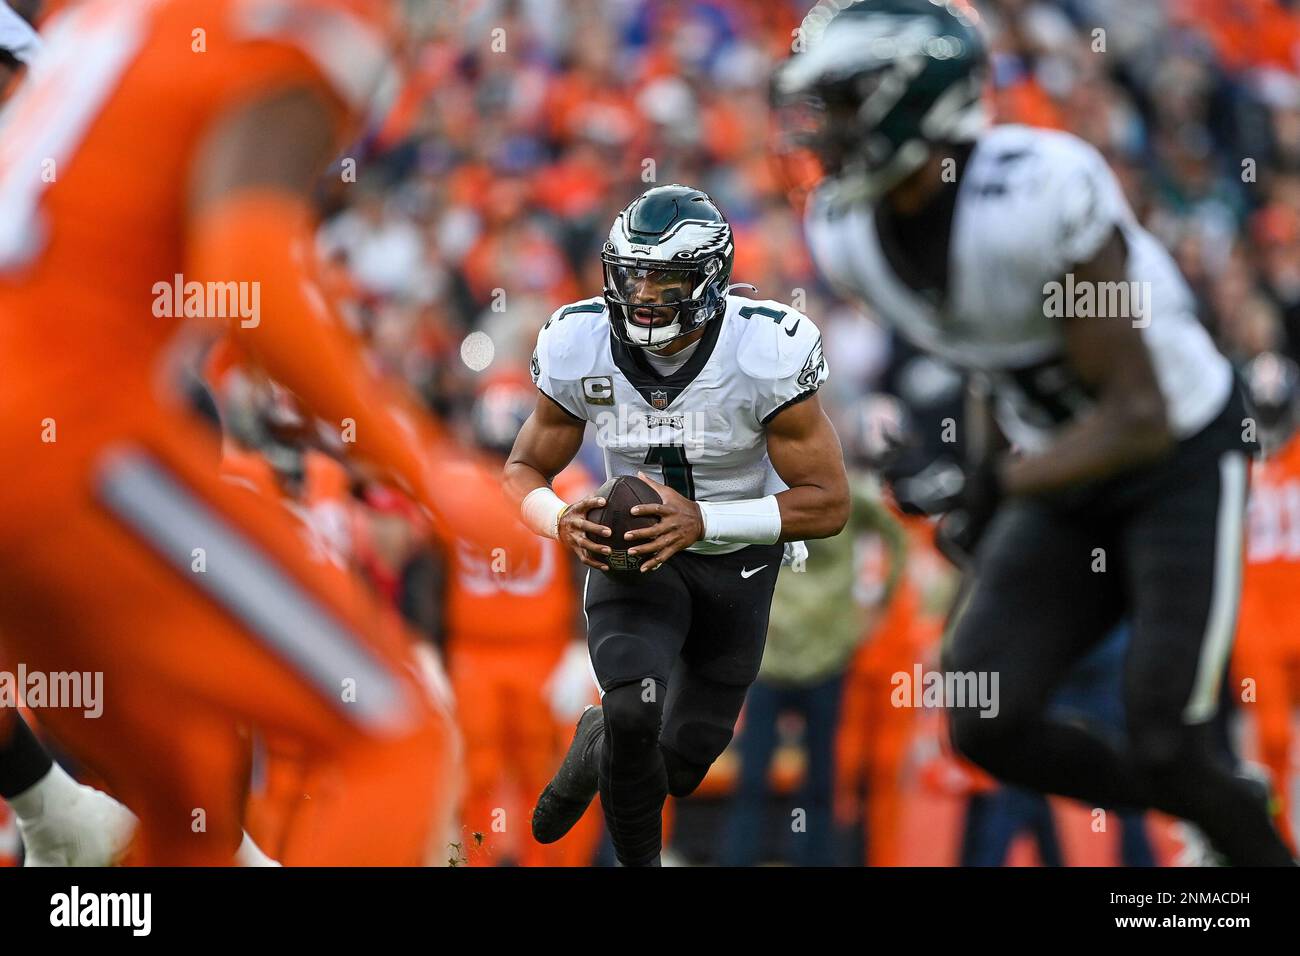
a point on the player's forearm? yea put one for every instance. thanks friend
(799, 514)
(264, 237)
(544, 447)
(519, 479)
(812, 511)
(1114, 439)
(529, 487)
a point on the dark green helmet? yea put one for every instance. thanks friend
(667, 265)
(875, 85)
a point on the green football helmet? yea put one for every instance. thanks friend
(874, 86)
(667, 265)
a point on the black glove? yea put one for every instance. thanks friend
(960, 530)
(933, 490)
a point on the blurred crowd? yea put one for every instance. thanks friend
(486, 190)
(529, 124)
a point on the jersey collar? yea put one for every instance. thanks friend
(656, 391)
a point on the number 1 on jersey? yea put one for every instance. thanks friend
(677, 470)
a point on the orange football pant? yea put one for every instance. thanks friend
(1268, 652)
(124, 553)
(513, 744)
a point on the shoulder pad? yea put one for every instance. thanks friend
(775, 340)
(1054, 158)
(1068, 200)
(571, 337)
(1085, 201)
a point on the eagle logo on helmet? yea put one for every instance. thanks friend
(877, 86)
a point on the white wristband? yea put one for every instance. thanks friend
(541, 510)
(752, 521)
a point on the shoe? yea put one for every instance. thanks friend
(574, 785)
(86, 828)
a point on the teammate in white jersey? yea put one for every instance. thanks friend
(1012, 253)
(712, 398)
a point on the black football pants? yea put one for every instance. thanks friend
(1161, 547)
(674, 650)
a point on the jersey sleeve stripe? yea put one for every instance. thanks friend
(562, 406)
(801, 397)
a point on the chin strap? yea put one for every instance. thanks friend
(722, 307)
(628, 324)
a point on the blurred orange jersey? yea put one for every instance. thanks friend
(116, 505)
(97, 161)
(1273, 538)
(1268, 636)
(535, 600)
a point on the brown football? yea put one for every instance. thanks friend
(620, 495)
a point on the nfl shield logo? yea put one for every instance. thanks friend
(659, 398)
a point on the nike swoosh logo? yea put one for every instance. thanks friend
(745, 573)
(793, 329)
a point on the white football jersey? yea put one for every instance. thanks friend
(701, 430)
(1031, 205)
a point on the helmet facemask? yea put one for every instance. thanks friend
(1273, 383)
(652, 306)
(881, 89)
(667, 263)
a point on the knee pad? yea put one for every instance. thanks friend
(696, 744)
(622, 658)
(1160, 749)
(979, 739)
(699, 725)
(631, 719)
(683, 775)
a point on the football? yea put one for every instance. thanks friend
(621, 494)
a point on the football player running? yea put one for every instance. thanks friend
(61, 821)
(1125, 496)
(202, 170)
(712, 398)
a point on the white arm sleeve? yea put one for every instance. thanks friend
(751, 521)
(541, 510)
